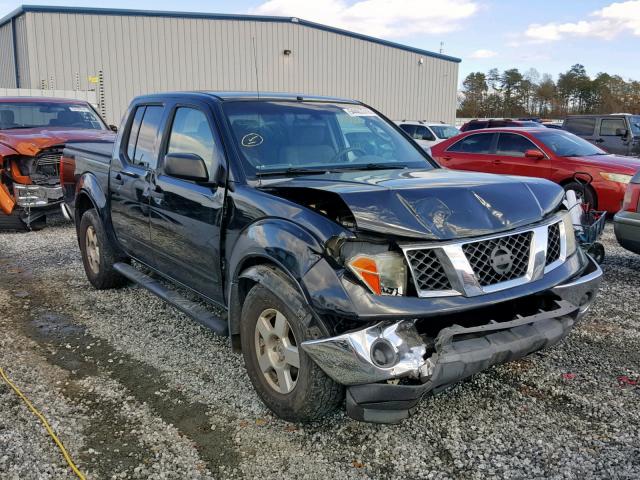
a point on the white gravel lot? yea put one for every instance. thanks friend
(137, 390)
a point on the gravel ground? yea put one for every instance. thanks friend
(136, 390)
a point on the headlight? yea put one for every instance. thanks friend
(570, 235)
(383, 273)
(616, 177)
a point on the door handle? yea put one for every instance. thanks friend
(497, 162)
(117, 179)
(446, 158)
(599, 140)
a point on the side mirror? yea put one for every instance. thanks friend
(534, 154)
(187, 166)
(621, 132)
(113, 128)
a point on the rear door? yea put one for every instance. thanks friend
(129, 180)
(472, 152)
(186, 216)
(608, 139)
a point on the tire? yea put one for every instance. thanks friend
(313, 394)
(98, 255)
(589, 194)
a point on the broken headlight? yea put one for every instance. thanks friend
(383, 273)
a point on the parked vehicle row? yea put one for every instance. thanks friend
(545, 153)
(617, 133)
(33, 132)
(346, 261)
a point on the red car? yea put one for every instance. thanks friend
(542, 152)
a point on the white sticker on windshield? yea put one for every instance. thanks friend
(359, 111)
(79, 108)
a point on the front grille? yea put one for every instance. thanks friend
(427, 270)
(553, 243)
(499, 259)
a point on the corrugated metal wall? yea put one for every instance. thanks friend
(148, 54)
(7, 63)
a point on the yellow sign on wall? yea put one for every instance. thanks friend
(93, 79)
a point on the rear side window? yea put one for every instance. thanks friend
(479, 143)
(410, 129)
(580, 126)
(513, 145)
(143, 135)
(608, 126)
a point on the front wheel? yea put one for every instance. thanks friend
(283, 375)
(98, 253)
(583, 192)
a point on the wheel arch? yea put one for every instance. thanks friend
(567, 181)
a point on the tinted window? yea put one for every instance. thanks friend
(410, 129)
(480, 143)
(191, 133)
(513, 145)
(423, 133)
(635, 125)
(608, 126)
(580, 126)
(133, 132)
(475, 125)
(144, 154)
(565, 144)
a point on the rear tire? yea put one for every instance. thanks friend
(303, 394)
(98, 254)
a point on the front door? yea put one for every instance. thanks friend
(186, 216)
(609, 140)
(509, 157)
(129, 181)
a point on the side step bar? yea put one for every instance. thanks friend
(192, 309)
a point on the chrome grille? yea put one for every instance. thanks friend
(428, 272)
(553, 243)
(482, 255)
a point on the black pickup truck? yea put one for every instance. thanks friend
(336, 254)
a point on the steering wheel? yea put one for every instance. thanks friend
(345, 151)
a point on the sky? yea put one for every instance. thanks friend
(548, 35)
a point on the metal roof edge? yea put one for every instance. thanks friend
(218, 16)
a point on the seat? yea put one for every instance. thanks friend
(309, 144)
(67, 118)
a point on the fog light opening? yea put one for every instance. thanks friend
(585, 302)
(383, 354)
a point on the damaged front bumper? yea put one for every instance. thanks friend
(35, 196)
(366, 360)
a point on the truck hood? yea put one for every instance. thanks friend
(434, 204)
(30, 141)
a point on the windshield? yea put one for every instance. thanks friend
(635, 125)
(297, 137)
(48, 114)
(565, 144)
(444, 131)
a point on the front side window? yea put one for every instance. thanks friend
(191, 133)
(279, 137)
(513, 145)
(608, 126)
(423, 133)
(20, 115)
(635, 125)
(580, 126)
(143, 152)
(565, 144)
(478, 143)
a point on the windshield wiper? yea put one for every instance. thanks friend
(371, 166)
(292, 171)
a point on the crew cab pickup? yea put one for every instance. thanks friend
(340, 259)
(33, 131)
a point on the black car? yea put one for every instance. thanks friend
(342, 261)
(627, 220)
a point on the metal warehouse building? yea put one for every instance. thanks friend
(123, 53)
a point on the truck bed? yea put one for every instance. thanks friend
(91, 157)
